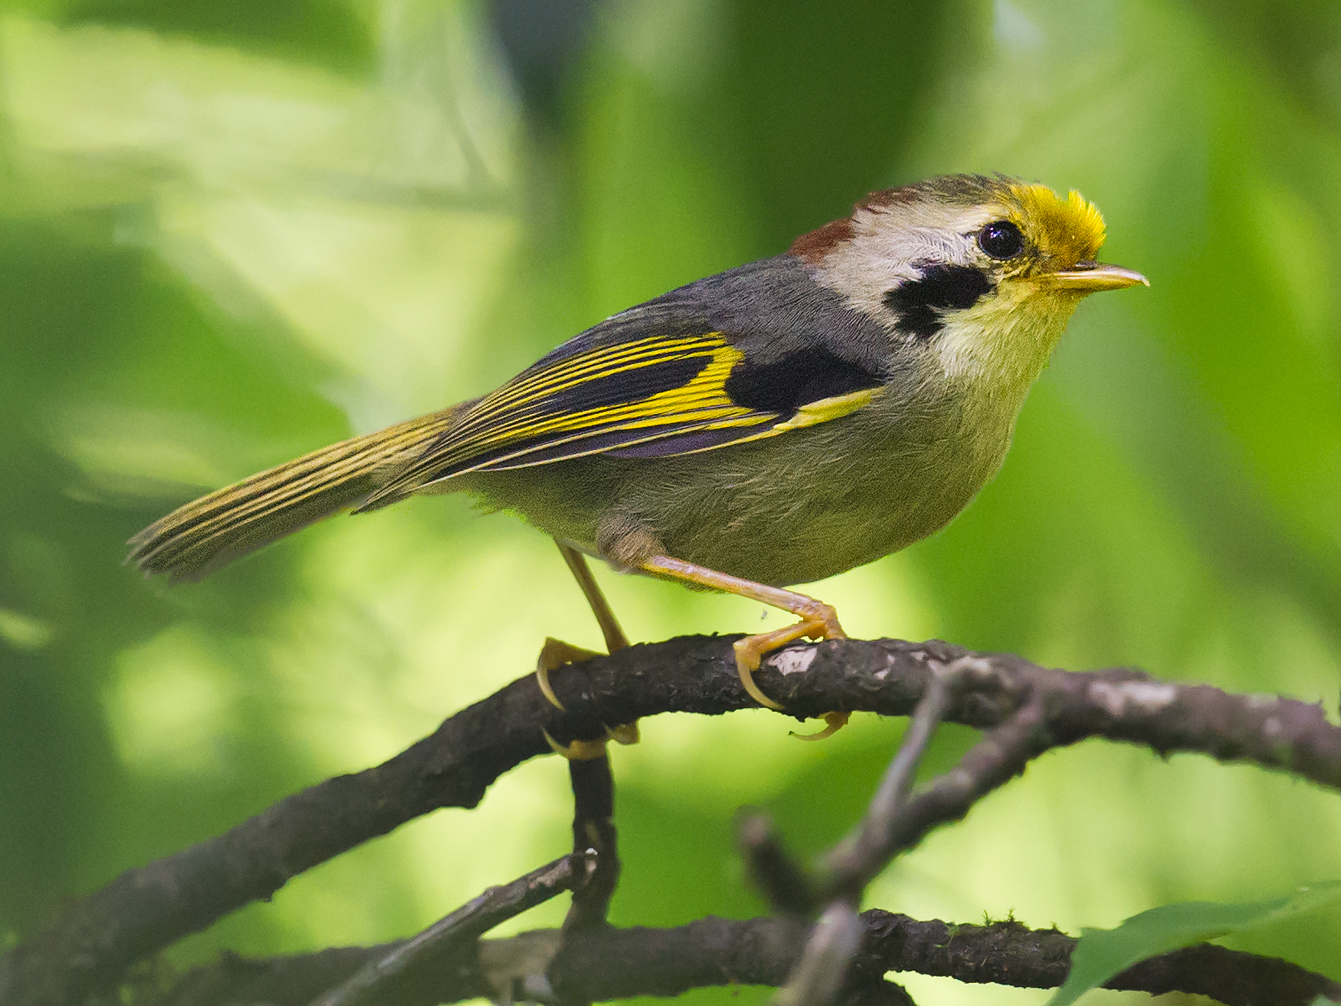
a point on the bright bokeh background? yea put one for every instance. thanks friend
(232, 232)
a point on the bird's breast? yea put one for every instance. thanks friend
(819, 501)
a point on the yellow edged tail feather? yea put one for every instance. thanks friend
(211, 532)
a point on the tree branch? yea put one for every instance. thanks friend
(89, 946)
(595, 838)
(607, 963)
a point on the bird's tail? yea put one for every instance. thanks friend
(212, 531)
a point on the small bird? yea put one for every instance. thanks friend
(768, 426)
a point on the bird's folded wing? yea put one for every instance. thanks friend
(651, 396)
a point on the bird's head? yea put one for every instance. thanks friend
(982, 273)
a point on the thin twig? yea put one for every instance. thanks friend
(858, 855)
(413, 972)
(1001, 754)
(784, 884)
(594, 838)
(594, 834)
(833, 942)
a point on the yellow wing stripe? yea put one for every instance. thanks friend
(701, 399)
(812, 414)
(601, 362)
(500, 462)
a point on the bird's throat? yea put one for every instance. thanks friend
(1002, 344)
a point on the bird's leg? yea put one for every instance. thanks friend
(555, 653)
(600, 607)
(818, 620)
(615, 640)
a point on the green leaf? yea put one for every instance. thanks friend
(1102, 953)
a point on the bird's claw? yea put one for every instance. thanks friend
(820, 622)
(553, 655)
(835, 720)
(577, 750)
(624, 733)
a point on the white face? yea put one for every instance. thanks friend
(923, 269)
(891, 245)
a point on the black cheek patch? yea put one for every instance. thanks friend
(797, 379)
(918, 303)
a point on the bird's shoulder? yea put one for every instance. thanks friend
(768, 309)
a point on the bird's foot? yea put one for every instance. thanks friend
(577, 750)
(835, 720)
(819, 621)
(623, 733)
(553, 655)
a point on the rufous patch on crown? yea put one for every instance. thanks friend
(815, 244)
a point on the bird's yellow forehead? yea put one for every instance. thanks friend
(1065, 231)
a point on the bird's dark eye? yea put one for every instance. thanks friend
(1001, 239)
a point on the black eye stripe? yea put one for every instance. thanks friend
(919, 303)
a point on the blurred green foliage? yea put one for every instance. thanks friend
(325, 32)
(230, 232)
